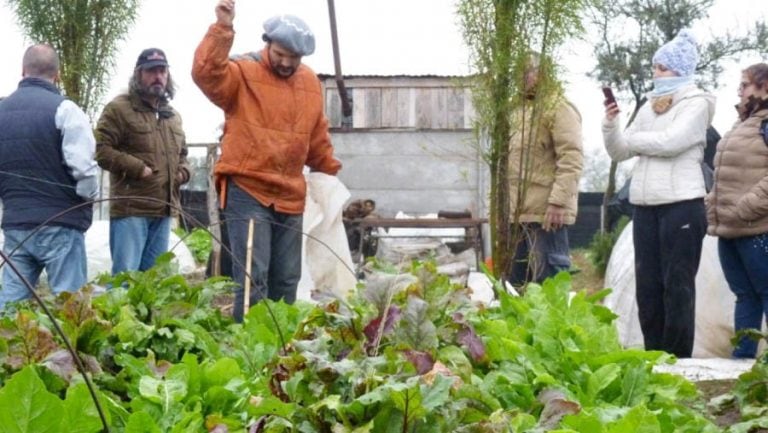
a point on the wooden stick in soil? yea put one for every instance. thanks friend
(214, 221)
(248, 257)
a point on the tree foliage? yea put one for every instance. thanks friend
(502, 35)
(625, 62)
(85, 33)
(630, 32)
(596, 164)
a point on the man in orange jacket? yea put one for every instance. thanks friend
(274, 126)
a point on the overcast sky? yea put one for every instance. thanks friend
(377, 37)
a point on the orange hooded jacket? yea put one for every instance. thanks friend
(273, 126)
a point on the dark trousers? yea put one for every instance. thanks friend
(275, 267)
(667, 240)
(539, 254)
(225, 258)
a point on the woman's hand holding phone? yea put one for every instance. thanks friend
(611, 107)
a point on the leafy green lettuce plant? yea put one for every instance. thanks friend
(199, 242)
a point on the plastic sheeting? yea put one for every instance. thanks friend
(699, 369)
(327, 267)
(714, 300)
(100, 261)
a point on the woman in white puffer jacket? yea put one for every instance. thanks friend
(668, 138)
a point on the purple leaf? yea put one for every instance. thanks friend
(458, 318)
(258, 426)
(469, 339)
(61, 364)
(372, 329)
(556, 407)
(421, 360)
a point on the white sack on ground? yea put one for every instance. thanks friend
(714, 300)
(326, 260)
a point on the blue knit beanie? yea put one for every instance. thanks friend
(679, 55)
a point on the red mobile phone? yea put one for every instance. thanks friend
(609, 98)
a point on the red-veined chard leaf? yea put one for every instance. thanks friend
(380, 288)
(28, 342)
(556, 407)
(374, 330)
(468, 338)
(416, 329)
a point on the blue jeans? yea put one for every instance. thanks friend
(539, 254)
(275, 266)
(57, 249)
(745, 265)
(135, 242)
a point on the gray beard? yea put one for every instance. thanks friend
(153, 92)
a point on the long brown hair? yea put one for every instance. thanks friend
(758, 75)
(134, 85)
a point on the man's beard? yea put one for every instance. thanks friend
(155, 90)
(284, 71)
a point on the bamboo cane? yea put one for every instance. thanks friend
(248, 257)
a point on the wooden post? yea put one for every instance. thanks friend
(214, 223)
(248, 257)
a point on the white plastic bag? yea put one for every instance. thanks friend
(326, 260)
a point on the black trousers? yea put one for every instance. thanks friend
(667, 240)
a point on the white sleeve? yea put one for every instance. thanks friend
(78, 147)
(614, 141)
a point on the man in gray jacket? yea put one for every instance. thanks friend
(47, 177)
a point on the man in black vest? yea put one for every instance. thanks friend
(47, 176)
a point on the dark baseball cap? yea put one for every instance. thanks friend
(150, 58)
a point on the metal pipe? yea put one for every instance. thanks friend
(346, 107)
